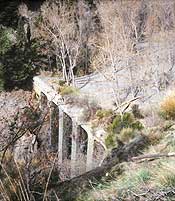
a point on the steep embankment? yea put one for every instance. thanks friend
(151, 175)
(10, 104)
(148, 177)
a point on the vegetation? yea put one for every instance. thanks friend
(131, 47)
(167, 108)
(16, 180)
(126, 134)
(103, 114)
(145, 179)
(110, 141)
(5, 40)
(138, 181)
(19, 68)
(17, 63)
(1, 78)
(67, 90)
(123, 127)
(5, 46)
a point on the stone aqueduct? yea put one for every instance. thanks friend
(81, 137)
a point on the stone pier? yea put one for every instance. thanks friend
(54, 126)
(75, 147)
(90, 149)
(60, 136)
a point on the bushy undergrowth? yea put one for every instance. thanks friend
(126, 134)
(123, 127)
(103, 113)
(5, 46)
(145, 180)
(28, 181)
(5, 40)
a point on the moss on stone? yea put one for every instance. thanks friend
(66, 90)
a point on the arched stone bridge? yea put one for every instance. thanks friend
(75, 136)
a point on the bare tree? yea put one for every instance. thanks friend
(116, 46)
(134, 46)
(60, 27)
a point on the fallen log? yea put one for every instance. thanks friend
(150, 157)
(68, 190)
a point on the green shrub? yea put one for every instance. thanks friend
(62, 82)
(123, 127)
(127, 119)
(5, 40)
(103, 113)
(137, 125)
(116, 124)
(110, 140)
(126, 134)
(5, 45)
(18, 65)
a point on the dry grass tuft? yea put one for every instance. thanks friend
(167, 107)
(165, 175)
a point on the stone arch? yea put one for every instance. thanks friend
(42, 101)
(54, 126)
(83, 141)
(98, 153)
(81, 150)
(67, 132)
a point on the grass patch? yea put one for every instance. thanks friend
(130, 180)
(144, 175)
(165, 175)
(133, 178)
